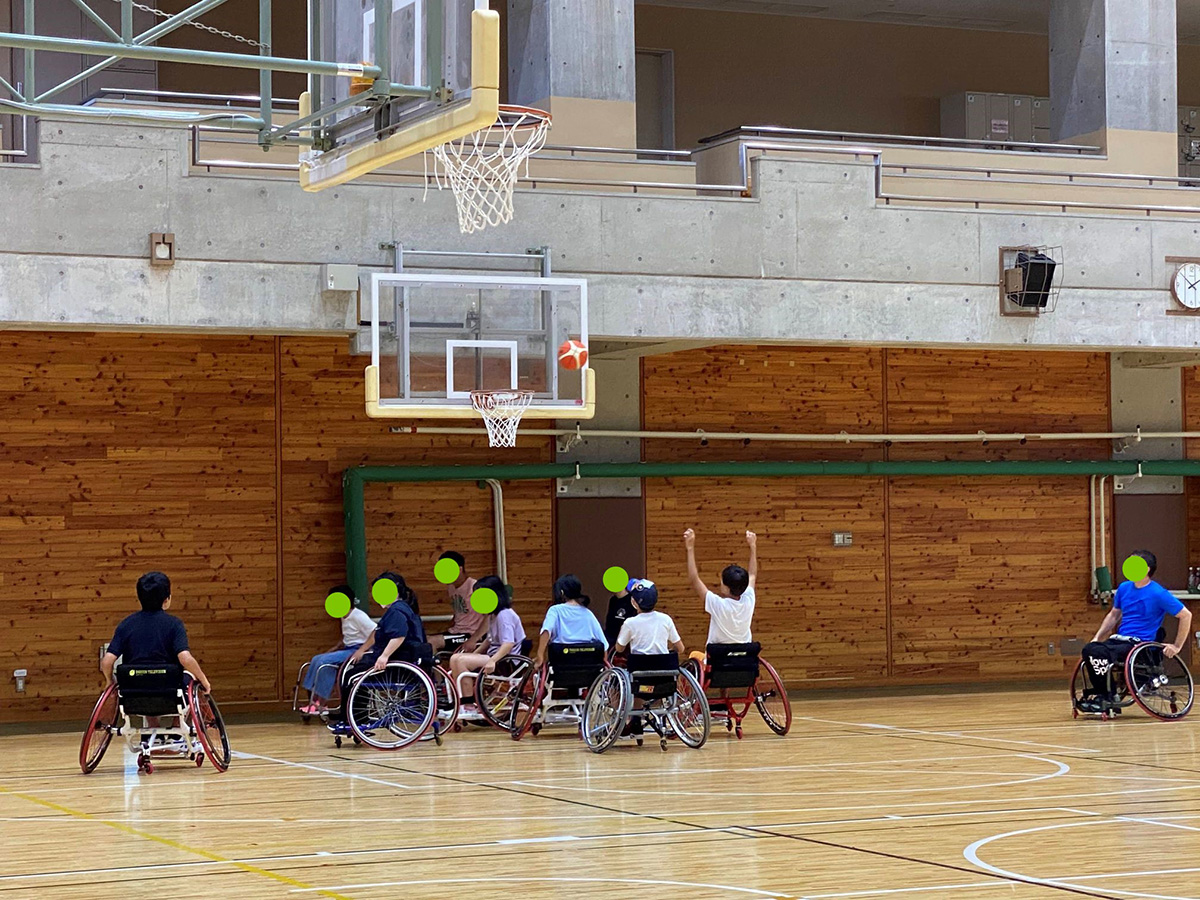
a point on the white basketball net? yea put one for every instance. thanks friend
(482, 168)
(501, 411)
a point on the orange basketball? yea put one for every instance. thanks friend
(572, 355)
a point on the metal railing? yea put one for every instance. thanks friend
(774, 132)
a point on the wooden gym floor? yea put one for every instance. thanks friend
(977, 796)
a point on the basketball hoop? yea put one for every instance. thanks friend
(501, 411)
(482, 168)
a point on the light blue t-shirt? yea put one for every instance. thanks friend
(571, 624)
(1142, 609)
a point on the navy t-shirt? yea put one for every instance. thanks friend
(149, 637)
(399, 621)
(1143, 609)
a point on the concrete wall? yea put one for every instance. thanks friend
(811, 259)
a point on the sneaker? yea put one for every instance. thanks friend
(1091, 705)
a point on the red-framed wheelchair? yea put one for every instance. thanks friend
(155, 692)
(1161, 686)
(735, 678)
(556, 692)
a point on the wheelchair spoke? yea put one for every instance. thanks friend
(1159, 685)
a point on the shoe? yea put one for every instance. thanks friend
(1091, 705)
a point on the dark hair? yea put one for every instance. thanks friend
(153, 589)
(503, 598)
(1150, 558)
(568, 588)
(454, 555)
(407, 594)
(736, 579)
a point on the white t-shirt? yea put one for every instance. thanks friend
(651, 632)
(730, 617)
(356, 627)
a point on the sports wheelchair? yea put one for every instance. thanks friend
(391, 709)
(555, 693)
(495, 692)
(1161, 686)
(673, 703)
(156, 691)
(735, 677)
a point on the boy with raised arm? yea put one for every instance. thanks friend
(731, 610)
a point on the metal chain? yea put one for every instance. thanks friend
(209, 28)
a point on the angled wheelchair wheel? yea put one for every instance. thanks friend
(1161, 686)
(689, 715)
(496, 691)
(209, 726)
(391, 709)
(531, 693)
(100, 728)
(770, 696)
(609, 703)
(447, 698)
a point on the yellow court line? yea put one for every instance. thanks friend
(174, 845)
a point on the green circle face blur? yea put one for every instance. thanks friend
(484, 601)
(337, 605)
(615, 579)
(446, 571)
(385, 592)
(1135, 568)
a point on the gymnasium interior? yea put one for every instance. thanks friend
(900, 286)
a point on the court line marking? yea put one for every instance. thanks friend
(900, 730)
(1061, 769)
(971, 854)
(559, 880)
(174, 845)
(299, 765)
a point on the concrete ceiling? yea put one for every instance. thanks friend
(988, 15)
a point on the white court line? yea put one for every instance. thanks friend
(971, 854)
(334, 772)
(543, 879)
(896, 729)
(881, 892)
(343, 856)
(1129, 874)
(1061, 768)
(1148, 821)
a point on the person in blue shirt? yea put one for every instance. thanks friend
(1137, 615)
(568, 620)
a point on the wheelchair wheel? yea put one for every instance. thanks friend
(99, 732)
(531, 693)
(1162, 687)
(770, 696)
(690, 717)
(209, 726)
(496, 692)
(609, 702)
(447, 696)
(391, 709)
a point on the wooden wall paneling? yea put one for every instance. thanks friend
(763, 389)
(965, 391)
(985, 573)
(820, 614)
(125, 453)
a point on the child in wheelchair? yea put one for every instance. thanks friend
(1138, 611)
(651, 641)
(730, 611)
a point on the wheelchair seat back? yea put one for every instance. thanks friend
(654, 675)
(575, 666)
(733, 665)
(526, 647)
(150, 690)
